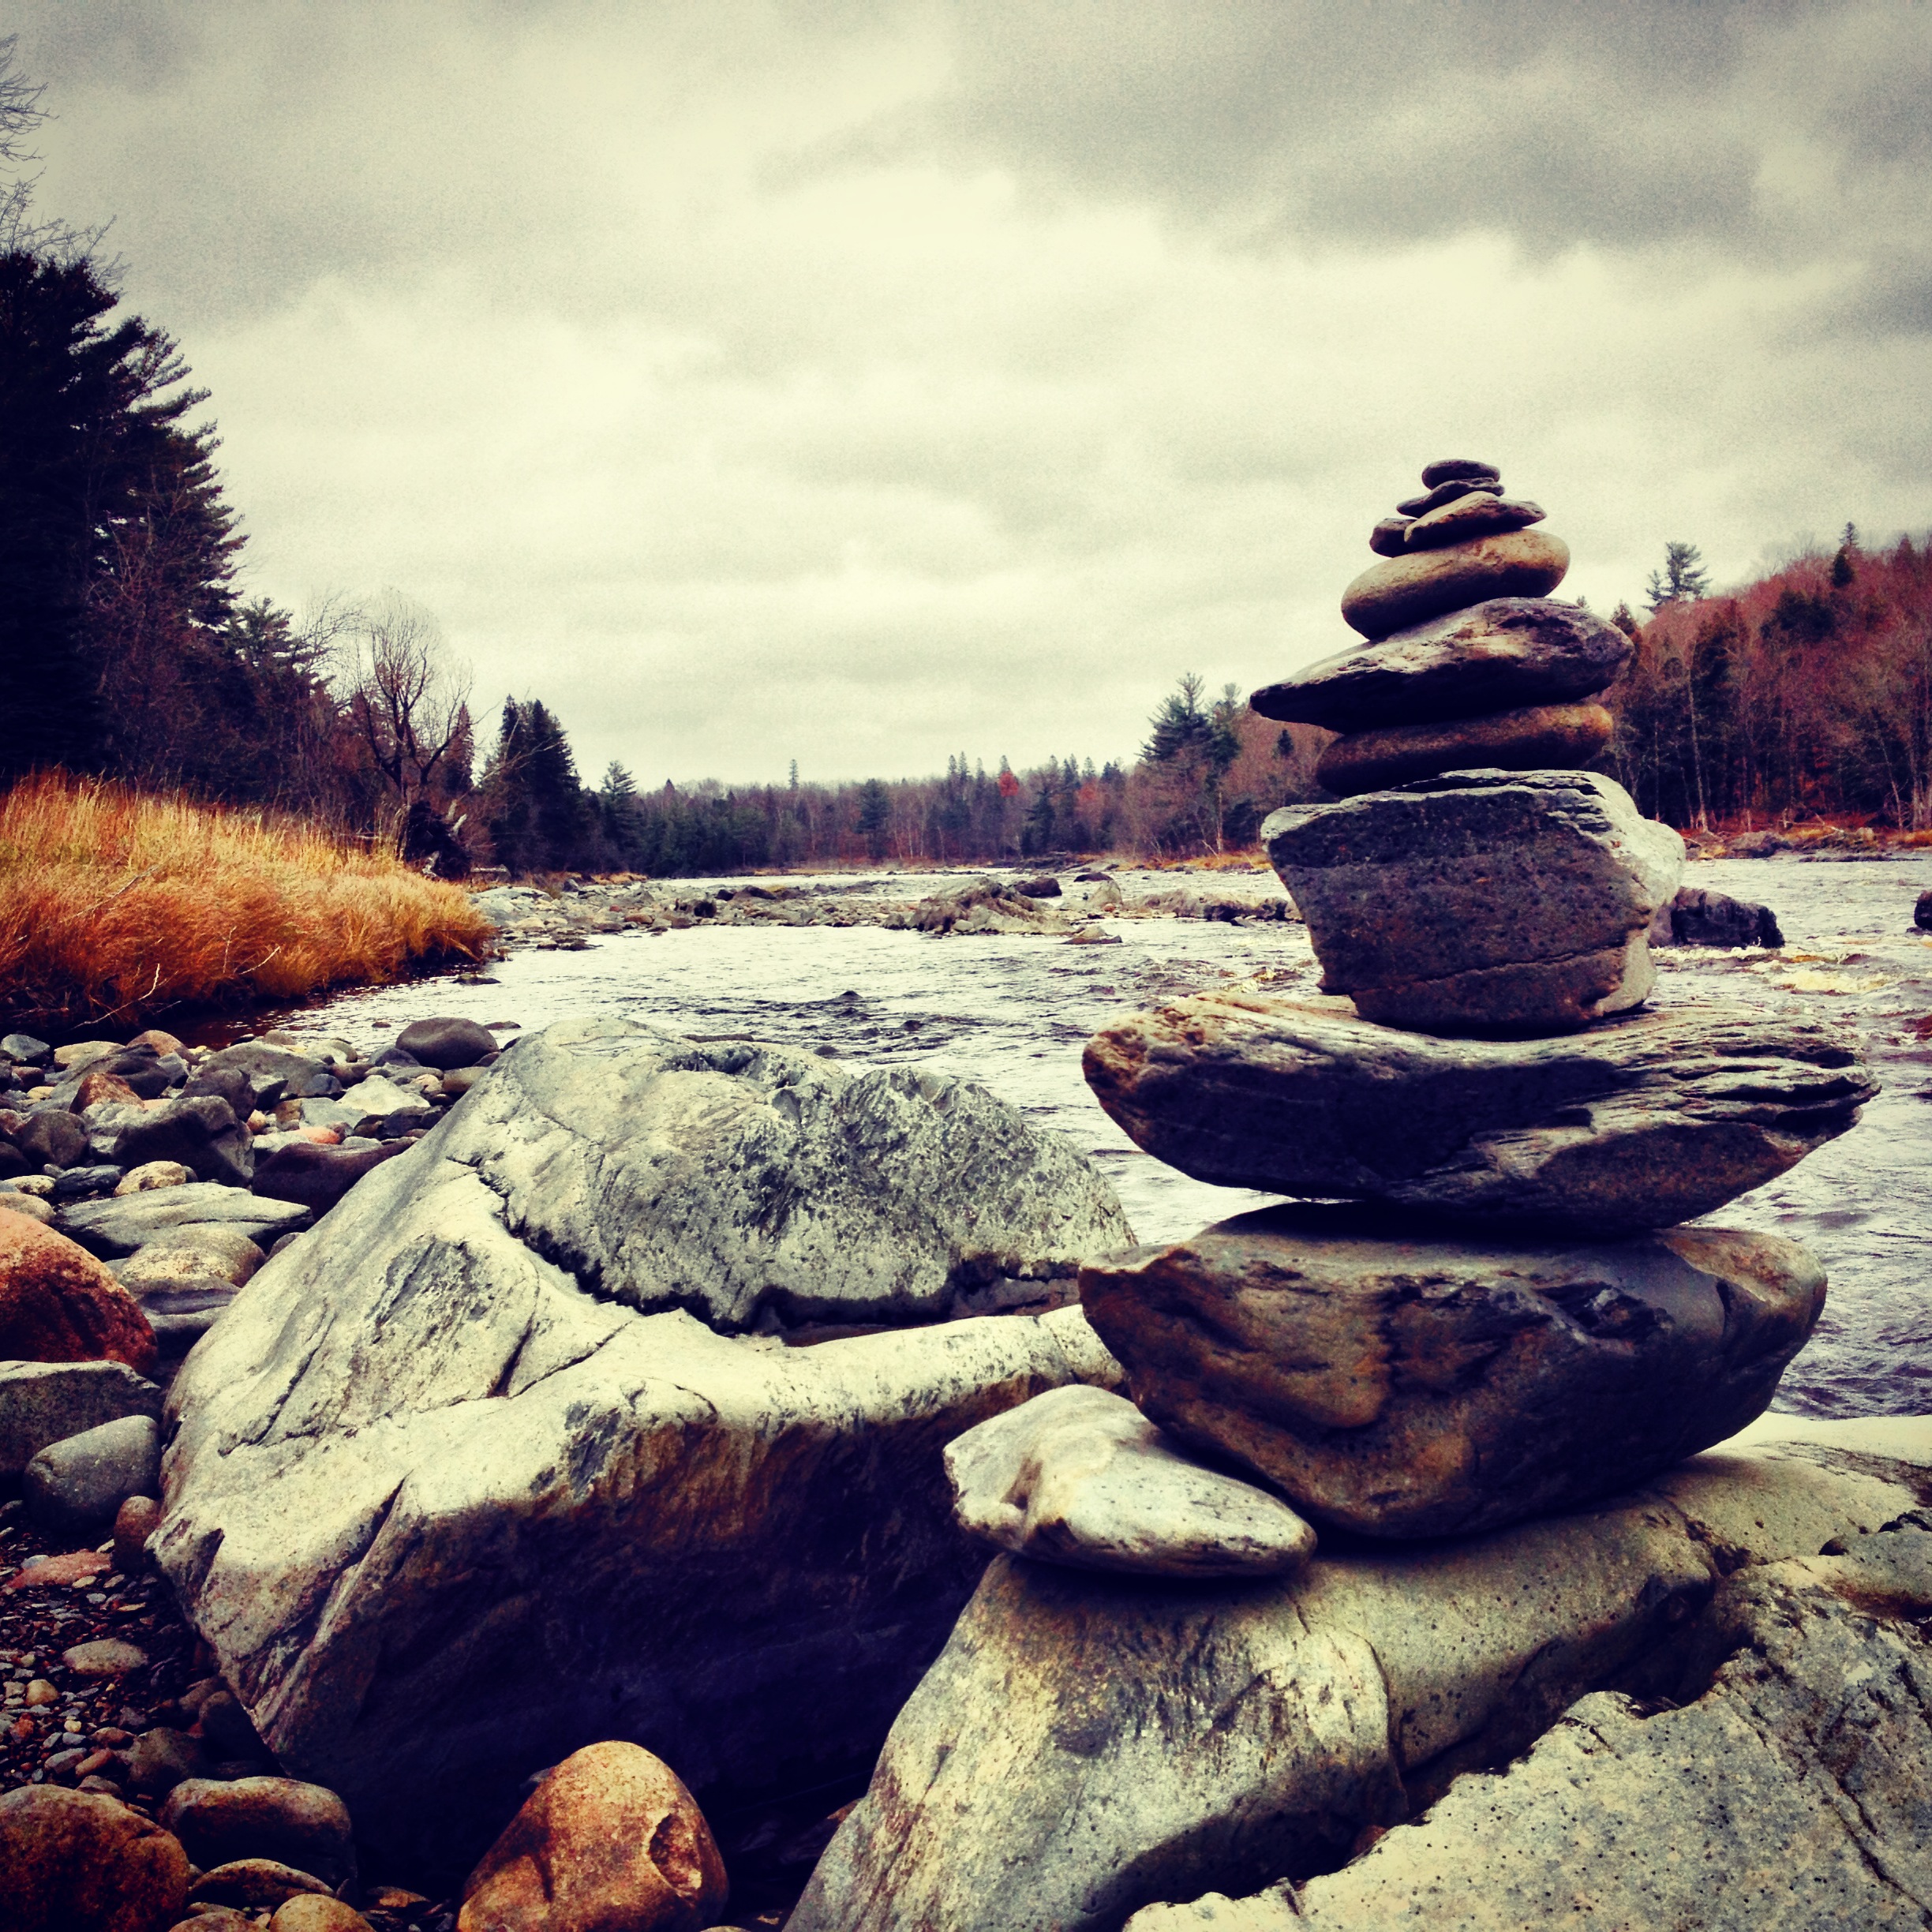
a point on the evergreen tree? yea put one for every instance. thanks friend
(875, 813)
(1683, 577)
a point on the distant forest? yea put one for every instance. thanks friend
(126, 651)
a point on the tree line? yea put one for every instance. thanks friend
(1806, 693)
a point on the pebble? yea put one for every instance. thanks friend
(106, 1656)
(154, 1174)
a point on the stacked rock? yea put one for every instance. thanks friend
(1510, 1320)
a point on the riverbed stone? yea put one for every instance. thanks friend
(316, 1177)
(1481, 900)
(53, 1136)
(1499, 655)
(77, 1862)
(445, 1044)
(74, 1487)
(1481, 513)
(1396, 1380)
(43, 1402)
(200, 1132)
(1697, 916)
(1779, 1785)
(1537, 737)
(1080, 1476)
(57, 1304)
(154, 1174)
(611, 1837)
(1400, 591)
(541, 1517)
(118, 1227)
(283, 1818)
(1089, 1745)
(1633, 1123)
(273, 1072)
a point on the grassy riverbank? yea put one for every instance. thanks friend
(115, 906)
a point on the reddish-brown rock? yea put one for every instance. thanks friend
(58, 1304)
(219, 1821)
(77, 1862)
(611, 1841)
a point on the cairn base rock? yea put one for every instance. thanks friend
(1481, 900)
(1638, 1122)
(1086, 1745)
(1400, 1383)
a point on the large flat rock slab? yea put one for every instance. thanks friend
(1498, 655)
(1787, 1792)
(1088, 1745)
(446, 1516)
(1480, 901)
(1637, 1122)
(1397, 1381)
(118, 1226)
(761, 1187)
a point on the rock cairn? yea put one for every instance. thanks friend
(1508, 1319)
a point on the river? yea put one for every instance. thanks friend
(1013, 1012)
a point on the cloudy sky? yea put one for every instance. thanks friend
(857, 382)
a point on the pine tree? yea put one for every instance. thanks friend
(1682, 579)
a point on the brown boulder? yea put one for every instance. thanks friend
(1421, 584)
(58, 1304)
(77, 1862)
(305, 1825)
(1396, 1379)
(611, 1841)
(1537, 738)
(312, 1912)
(254, 1884)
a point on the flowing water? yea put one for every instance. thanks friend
(1013, 1012)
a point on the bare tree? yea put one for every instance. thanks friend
(408, 703)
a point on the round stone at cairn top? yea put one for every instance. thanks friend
(1404, 1381)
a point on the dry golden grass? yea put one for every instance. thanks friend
(113, 905)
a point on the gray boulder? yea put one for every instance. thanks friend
(1086, 1746)
(1638, 1122)
(763, 1187)
(1696, 916)
(1396, 1381)
(43, 1402)
(273, 1072)
(74, 1487)
(446, 1515)
(186, 1278)
(315, 1176)
(131, 1221)
(1481, 900)
(202, 1133)
(447, 1043)
(1079, 1475)
(52, 1136)
(1419, 585)
(1496, 655)
(1781, 1784)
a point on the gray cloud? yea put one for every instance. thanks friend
(868, 383)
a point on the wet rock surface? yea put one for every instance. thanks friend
(1081, 1477)
(1409, 1383)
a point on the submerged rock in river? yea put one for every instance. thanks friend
(447, 1510)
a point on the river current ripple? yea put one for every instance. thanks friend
(1012, 1012)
